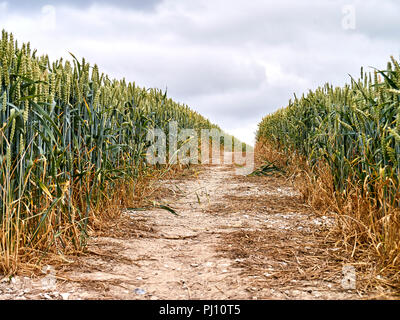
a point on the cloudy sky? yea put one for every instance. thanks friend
(234, 61)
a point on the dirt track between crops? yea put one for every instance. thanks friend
(236, 237)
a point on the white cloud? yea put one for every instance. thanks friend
(233, 61)
(3, 8)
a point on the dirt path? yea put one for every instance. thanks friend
(235, 238)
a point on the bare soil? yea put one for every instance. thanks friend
(235, 237)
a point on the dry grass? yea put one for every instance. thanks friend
(286, 260)
(358, 229)
(285, 255)
(104, 219)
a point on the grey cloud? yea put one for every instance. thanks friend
(201, 73)
(233, 61)
(256, 21)
(37, 4)
(378, 19)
